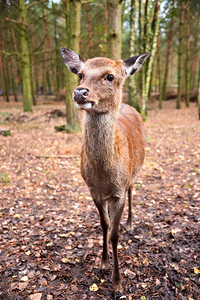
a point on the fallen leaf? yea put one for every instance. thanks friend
(65, 260)
(94, 287)
(36, 296)
(24, 278)
(22, 285)
(17, 216)
(63, 235)
(196, 271)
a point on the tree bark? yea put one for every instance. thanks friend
(133, 99)
(169, 45)
(56, 55)
(3, 70)
(180, 52)
(198, 102)
(105, 25)
(26, 80)
(114, 29)
(90, 43)
(159, 73)
(73, 14)
(188, 55)
(47, 82)
(148, 75)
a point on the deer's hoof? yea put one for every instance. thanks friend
(129, 226)
(105, 264)
(117, 286)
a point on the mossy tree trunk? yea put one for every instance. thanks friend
(25, 60)
(149, 70)
(133, 98)
(188, 55)
(159, 74)
(73, 19)
(3, 62)
(180, 52)
(168, 54)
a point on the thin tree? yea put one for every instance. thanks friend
(26, 71)
(114, 29)
(73, 18)
(188, 54)
(90, 43)
(149, 71)
(133, 99)
(198, 95)
(3, 62)
(47, 81)
(168, 53)
(180, 52)
(105, 25)
(159, 72)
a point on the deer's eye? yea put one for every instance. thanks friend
(110, 77)
(80, 76)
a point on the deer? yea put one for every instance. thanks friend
(113, 148)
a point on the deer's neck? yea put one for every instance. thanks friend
(99, 137)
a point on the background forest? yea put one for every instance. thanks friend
(31, 33)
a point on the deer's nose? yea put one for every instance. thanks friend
(80, 95)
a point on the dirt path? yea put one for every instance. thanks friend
(50, 235)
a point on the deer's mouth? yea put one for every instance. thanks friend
(86, 105)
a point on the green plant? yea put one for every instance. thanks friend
(4, 178)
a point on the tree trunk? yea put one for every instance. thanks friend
(169, 45)
(56, 55)
(132, 86)
(145, 25)
(154, 31)
(73, 14)
(47, 85)
(26, 80)
(188, 55)
(140, 74)
(198, 102)
(105, 25)
(3, 70)
(147, 77)
(180, 52)
(90, 43)
(14, 86)
(159, 74)
(114, 29)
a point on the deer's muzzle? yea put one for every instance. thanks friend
(80, 95)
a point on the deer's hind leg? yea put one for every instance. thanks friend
(129, 220)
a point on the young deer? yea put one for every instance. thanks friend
(113, 145)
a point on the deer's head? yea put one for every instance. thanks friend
(101, 79)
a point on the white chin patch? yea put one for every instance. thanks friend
(86, 105)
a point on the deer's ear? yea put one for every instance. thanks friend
(134, 63)
(72, 60)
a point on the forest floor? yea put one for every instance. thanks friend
(50, 234)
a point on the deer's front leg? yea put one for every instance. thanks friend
(103, 212)
(116, 206)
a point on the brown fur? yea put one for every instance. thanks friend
(113, 148)
(113, 142)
